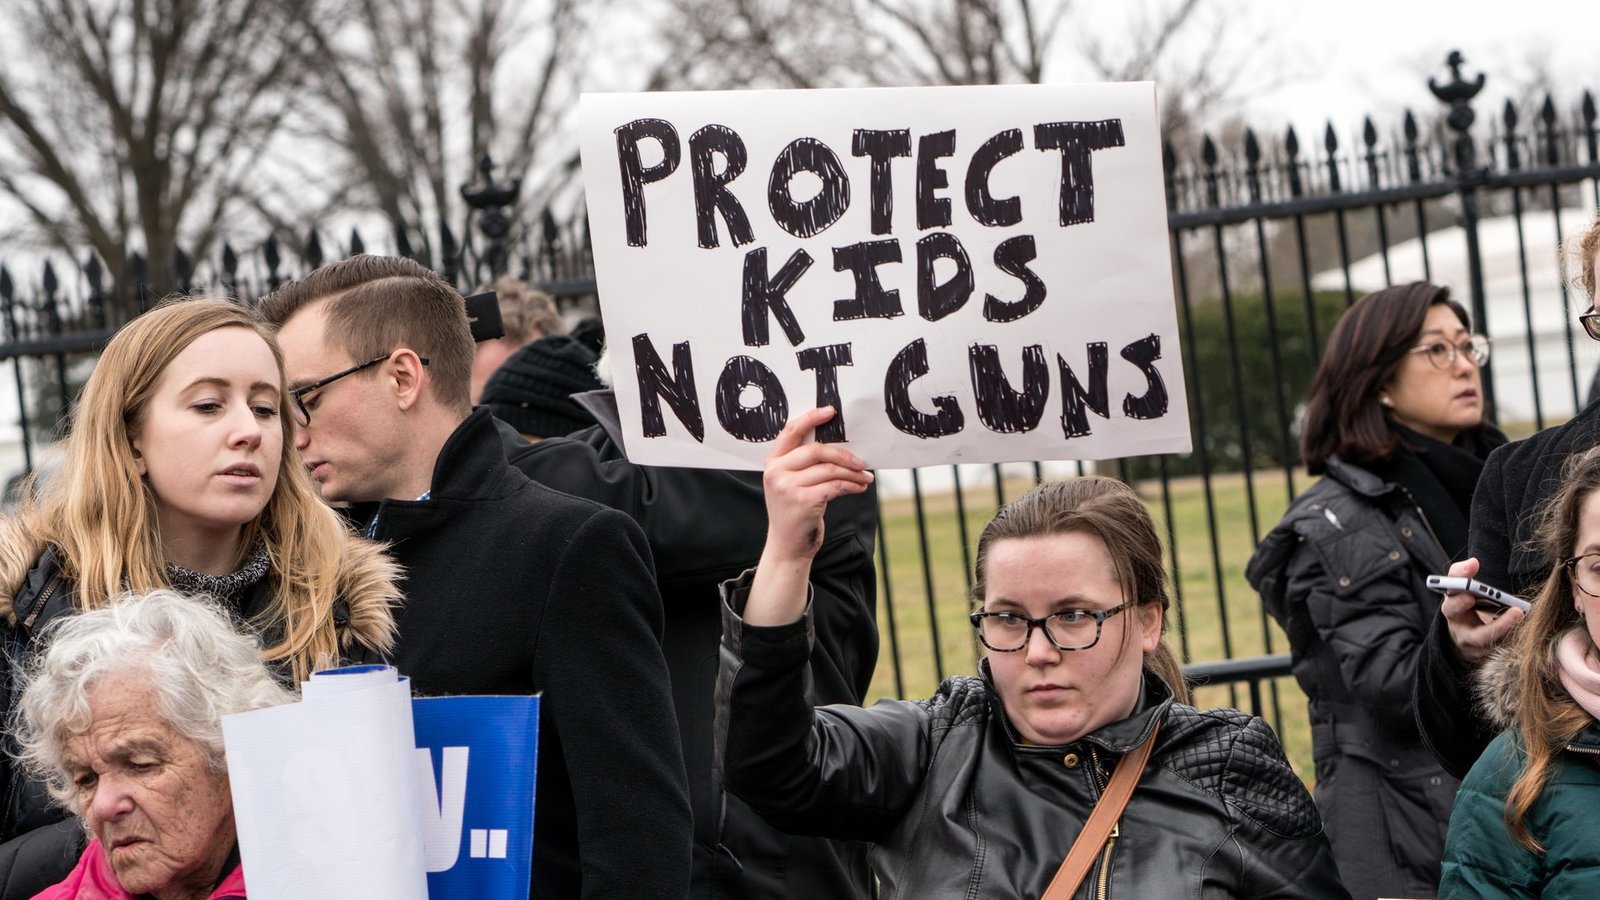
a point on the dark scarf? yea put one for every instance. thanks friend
(229, 589)
(1440, 478)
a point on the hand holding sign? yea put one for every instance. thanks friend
(801, 477)
(965, 274)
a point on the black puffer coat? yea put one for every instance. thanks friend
(958, 807)
(1343, 573)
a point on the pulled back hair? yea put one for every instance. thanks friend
(1547, 717)
(526, 312)
(102, 516)
(1109, 510)
(1364, 352)
(379, 304)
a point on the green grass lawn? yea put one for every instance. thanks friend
(931, 598)
(1195, 632)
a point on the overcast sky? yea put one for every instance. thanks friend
(1343, 60)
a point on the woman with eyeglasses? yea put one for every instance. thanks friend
(1526, 817)
(982, 789)
(1518, 479)
(181, 472)
(1395, 425)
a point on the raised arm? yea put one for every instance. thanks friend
(800, 479)
(841, 772)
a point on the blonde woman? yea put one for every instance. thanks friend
(181, 473)
(1525, 817)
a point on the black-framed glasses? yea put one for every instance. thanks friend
(1585, 572)
(1590, 319)
(302, 413)
(1069, 629)
(1443, 353)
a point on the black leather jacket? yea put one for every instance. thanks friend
(957, 806)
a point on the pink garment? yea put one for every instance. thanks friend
(1579, 666)
(93, 879)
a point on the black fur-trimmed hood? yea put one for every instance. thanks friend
(368, 584)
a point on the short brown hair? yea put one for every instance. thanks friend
(1109, 510)
(382, 303)
(1364, 352)
(526, 312)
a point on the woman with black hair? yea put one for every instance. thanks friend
(1395, 424)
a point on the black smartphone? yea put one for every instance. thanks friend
(483, 316)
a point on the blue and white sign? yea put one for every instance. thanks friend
(361, 790)
(477, 758)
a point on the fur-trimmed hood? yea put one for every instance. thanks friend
(368, 586)
(1494, 687)
(369, 590)
(20, 548)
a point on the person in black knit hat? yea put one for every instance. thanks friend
(735, 852)
(532, 390)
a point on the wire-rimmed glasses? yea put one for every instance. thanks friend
(1443, 353)
(1585, 572)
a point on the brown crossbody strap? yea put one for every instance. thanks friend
(1101, 820)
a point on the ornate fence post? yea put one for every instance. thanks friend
(1469, 176)
(8, 307)
(491, 200)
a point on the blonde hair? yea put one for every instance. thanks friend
(102, 516)
(1111, 511)
(1547, 717)
(525, 310)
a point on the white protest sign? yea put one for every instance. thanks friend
(976, 274)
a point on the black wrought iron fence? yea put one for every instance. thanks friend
(1270, 239)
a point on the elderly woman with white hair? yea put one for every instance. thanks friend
(121, 720)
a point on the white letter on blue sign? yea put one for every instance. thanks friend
(441, 823)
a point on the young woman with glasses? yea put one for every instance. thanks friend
(181, 472)
(980, 790)
(1395, 425)
(1525, 819)
(1517, 479)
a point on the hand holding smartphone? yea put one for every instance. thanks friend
(1489, 599)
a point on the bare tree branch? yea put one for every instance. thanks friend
(439, 70)
(127, 122)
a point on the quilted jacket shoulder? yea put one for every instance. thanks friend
(1237, 758)
(960, 700)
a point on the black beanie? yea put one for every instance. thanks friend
(532, 390)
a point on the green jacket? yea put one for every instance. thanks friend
(1480, 857)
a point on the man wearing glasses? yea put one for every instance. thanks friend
(1517, 480)
(511, 588)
